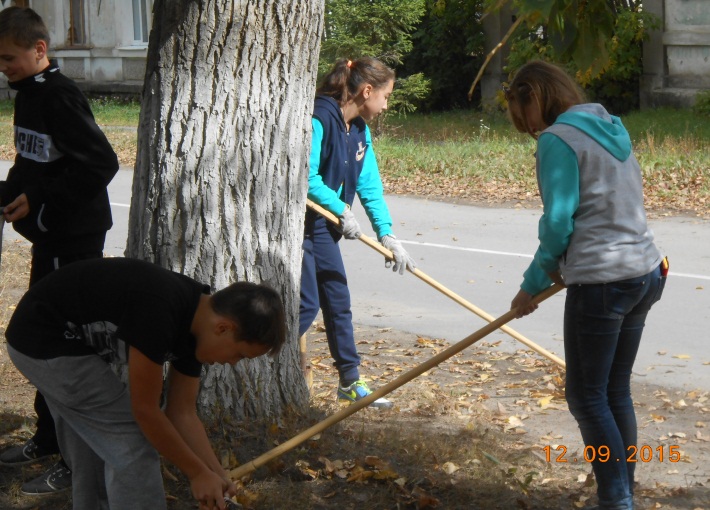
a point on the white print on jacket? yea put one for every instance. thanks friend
(35, 146)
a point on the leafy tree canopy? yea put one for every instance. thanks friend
(378, 28)
(578, 30)
(448, 49)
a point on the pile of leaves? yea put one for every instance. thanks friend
(662, 198)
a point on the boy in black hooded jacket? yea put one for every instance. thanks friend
(55, 194)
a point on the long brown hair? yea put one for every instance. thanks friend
(553, 89)
(348, 76)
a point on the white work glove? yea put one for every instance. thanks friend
(402, 260)
(349, 226)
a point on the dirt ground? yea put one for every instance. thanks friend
(486, 429)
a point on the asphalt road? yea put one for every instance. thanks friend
(480, 253)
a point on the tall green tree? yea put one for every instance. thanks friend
(612, 76)
(599, 40)
(448, 49)
(377, 28)
(578, 29)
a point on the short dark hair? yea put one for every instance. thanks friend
(348, 76)
(22, 26)
(258, 311)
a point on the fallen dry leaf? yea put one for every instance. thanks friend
(513, 422)
(376, 462)
(544, 402)
(449, 468)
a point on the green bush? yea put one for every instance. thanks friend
(449, 50)
(702, 103)
(377, 28)
(617, 86)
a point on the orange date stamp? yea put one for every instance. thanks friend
(643, 453)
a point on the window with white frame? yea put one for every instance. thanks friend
(141, 20)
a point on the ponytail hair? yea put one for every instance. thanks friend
(347, 77)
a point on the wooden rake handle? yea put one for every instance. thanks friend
(447, 292)
(251, 466)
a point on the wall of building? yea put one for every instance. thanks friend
(677, 57)
(110, 60)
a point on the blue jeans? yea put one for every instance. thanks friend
(324, 286)
(602, 328)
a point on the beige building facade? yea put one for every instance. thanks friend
(676, 59)
(102, 44)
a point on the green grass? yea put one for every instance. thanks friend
(459, 126)
(668, 124)
(466, 125)
(108, 111)
(490, 158)
(112, 112)
(672, 146)
(475, 149)
(6, 108)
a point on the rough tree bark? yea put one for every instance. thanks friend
(221, 170)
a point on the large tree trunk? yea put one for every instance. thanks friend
(221, 171)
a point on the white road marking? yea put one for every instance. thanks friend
(477, 250)
(528, 256)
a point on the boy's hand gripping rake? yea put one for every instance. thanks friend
(251, 466)
(423, 276)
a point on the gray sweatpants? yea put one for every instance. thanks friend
(113, 465)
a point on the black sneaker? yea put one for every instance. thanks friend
(56, 479)
(23, 454)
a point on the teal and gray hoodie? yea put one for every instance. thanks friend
(594, 226)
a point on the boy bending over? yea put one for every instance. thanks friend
(78, 319)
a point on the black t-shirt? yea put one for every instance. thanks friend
(103, 306)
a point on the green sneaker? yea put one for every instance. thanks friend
(357, 391)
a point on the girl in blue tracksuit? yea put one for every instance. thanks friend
(342, 165)
(594, 239)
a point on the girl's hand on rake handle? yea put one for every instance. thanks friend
(523, 305)
(402, 259)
